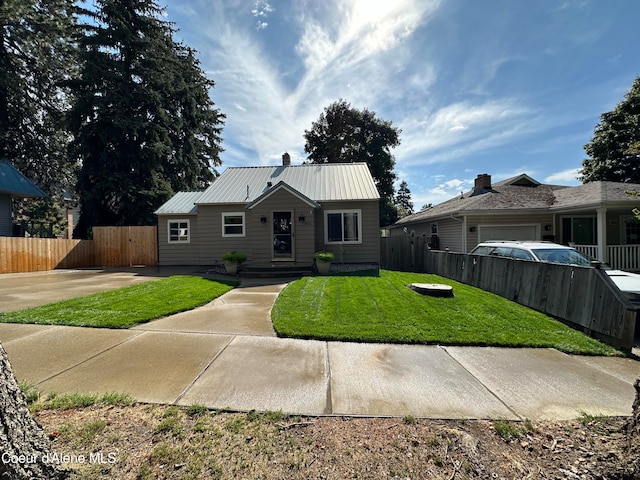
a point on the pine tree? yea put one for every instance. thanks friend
(403, 200)
(37, 55)
(143, 120)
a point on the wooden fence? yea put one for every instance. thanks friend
(583, 297)
(125, 246)
(110, 247)
(19, 254)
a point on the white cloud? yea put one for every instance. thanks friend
(569, 177)
(261, 10)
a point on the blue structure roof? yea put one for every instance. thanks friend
(16, 184)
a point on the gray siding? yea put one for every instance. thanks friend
(450, 234)
(5, 215)
(178, 253)
(540, 219)
(366, 252)
(208, 245)
(261, 234)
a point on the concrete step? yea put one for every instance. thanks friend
(275, 271)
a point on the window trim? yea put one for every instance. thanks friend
(179, 221)
(243, 224)
(342, 212)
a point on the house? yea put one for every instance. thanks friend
(276, 215)
(13, 184)
(596, 217)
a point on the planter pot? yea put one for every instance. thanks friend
(231, 267)
(323, 267)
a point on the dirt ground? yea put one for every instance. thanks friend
(166, 442)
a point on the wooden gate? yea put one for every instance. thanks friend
(126, 246)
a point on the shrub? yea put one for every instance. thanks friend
(324, 256)
(234, 257)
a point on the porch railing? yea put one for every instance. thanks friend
(622, 257)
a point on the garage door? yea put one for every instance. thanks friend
(508, 232)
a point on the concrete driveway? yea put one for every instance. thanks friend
(226, 355)
(24, 290)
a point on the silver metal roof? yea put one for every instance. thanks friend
(16, 184)
(183, 203)
(325, 182)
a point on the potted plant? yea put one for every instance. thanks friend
(323, 261)
(232, 260)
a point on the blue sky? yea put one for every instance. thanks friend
(494, 86)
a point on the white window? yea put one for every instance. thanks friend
(179, 231)
(343, 226)
(233, 224)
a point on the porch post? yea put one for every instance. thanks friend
(602, 233)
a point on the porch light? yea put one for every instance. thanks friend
(301, 218)
(548, 228)
(263, 219)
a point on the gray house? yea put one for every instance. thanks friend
(13, 184)
(276, 215)
(596, 218)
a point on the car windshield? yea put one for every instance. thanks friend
(562, 255)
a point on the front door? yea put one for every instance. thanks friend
(282, 236)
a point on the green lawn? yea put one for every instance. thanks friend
(125, 307)
(383, 309)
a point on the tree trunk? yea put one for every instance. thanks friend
(23, 444)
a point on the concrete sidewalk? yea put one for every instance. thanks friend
(226, 355)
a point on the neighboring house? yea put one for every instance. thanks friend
(596, 217)
(276, 215)
(13, 184)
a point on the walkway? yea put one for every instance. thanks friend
(226, 355)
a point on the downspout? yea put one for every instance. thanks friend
(463, 220)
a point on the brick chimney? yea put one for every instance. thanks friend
(482, 183)
(286, 159)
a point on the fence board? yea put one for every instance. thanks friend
(584, 297)
(111, 247)
(18, 254)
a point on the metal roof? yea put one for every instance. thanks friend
(16, 184)
(319, 182)
(183, 203)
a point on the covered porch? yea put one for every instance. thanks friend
(610, 235)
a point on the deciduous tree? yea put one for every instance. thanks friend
(344, 134)
(23, 444)
(614, 150)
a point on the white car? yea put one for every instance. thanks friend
(628, 283)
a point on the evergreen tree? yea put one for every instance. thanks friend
(403, 200)
(143, 120)
(344, 134)
(37, 55)
(614, 150)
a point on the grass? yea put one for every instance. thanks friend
(125, 307)
(66, 401)
(383, 309)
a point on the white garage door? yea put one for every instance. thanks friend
(508, 232)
